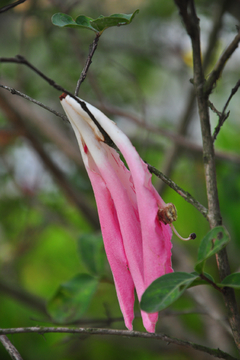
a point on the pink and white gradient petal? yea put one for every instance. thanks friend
(127, 204)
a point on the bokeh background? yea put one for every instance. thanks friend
(141, 78)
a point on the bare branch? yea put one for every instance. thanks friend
(135, 334)
(19, 59)
(10, 6)
(10, 348)
(16, 92)
(213, 284)
(223, 116)
(212, 107)
(92, 50)
(215, 74)
(188, 197)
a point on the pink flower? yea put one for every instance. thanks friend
(137, 243)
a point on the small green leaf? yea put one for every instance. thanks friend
(165, 290)
(98, 25)
(62, 20)
(71, 299)
(208, 248)
(232, 281)
(91, 251)
(104, 22)
(85, 22)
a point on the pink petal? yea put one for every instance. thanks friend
(113, 244)
(133, 201)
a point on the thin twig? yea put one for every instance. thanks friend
(92, 50)
(212, 107)
(223, 116)
(13, 352)
(19, 59)
(216, 73)
(19, 93)
(10, 6)
(220, 7)
(188, 197)
(202, 276)
(126, 333)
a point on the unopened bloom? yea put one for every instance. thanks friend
(137, 242)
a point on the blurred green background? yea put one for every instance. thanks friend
(140, 77)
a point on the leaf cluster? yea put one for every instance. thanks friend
(97, 25)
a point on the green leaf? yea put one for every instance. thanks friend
(62, 20)
(71, 299)
(208, 248)
(165, 290)
(85, 22)
(91, 251)
(98, 25)
(104, 22)
(232, 281)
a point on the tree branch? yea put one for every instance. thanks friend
(202, 276)
(223, 116)
(135, 334)
(10, 6)
(19, 93)
(216, 73)
(10, 348)
(92, 50)
(188, 197)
